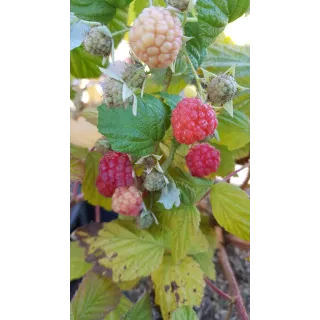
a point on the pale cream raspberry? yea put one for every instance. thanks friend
(156, 37)
(127, 201)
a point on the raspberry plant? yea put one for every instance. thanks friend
(164, 161)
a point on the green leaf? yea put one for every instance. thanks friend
(226, 160)
(231, 208)
(120, 250)
(205, 262)
(234, 132)
(170, 99)
(123, 307)
(78, 265)
(213, 18)
(137, 135)
(184, 313)
(177, 285)
(141, 310)
(184, 225)
(95, 298)
(242, 152)
(93, 10)
(237, 8)
(83, 64)
(89, 189)
(199, 185)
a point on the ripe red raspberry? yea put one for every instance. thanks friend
(115, 170)
(156, 37)
(193, 120)
(203, 159)
(127, 201)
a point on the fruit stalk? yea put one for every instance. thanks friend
(201, 93)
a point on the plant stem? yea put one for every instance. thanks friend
(150, 3)
(192, 19)
(228, 315)
(242, 244)
(97, 214)
(167, 80)
(120, 32)
(78, 198)
(217, 290)
(235, 172)
(185, 17)
(227, 270)
(245, 182)
(198, 82)
(173, 149)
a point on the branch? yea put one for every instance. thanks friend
(217, 290)
(242, 244)
(227, 270)
(245, 182)
(235, 172)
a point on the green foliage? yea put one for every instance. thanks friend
(97, 10)
(142, 131)
(83, 64)
(226, 160)
(95, 298)
(122, 308)
(234, 132)
(78, 265)
(141, 310)
(184, 313)
(231, 208)
(184, 225)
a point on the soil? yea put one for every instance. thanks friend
(213, 307)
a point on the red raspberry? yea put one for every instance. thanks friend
(203, 159)
(127, 201)
(115, 170)
(193, 120)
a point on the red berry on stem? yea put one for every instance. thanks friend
(202, 160)
(193, 121)
(115, 170)
(127, 201)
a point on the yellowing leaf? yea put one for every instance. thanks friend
(205, 262)
(177, 284)
(123, 307)
(184, 313)
(95, 298)
(128, 285)
(76, 170)
(120, 249)
(231, 208)
(89, 188)
(184, 225)
(78, 264)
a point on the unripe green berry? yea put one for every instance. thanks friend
(154, 181)
(221, 89)
(145, 220)
(134, 75)
(179, 4)
(102, 145)
(98, 43)
(112, 94)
